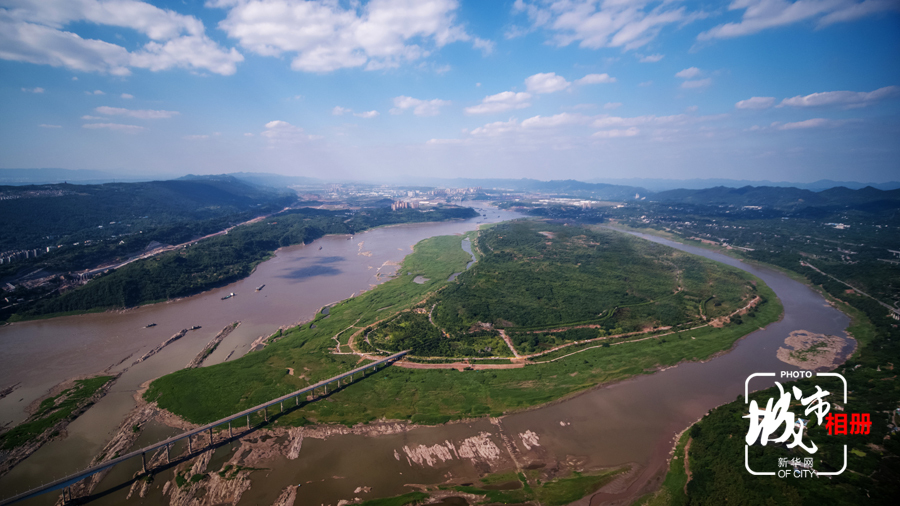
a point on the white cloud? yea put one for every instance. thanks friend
(195, 137)
(562, 119)
(596, 79)
(114, 126)
(691, 108)
(340, 111)
(95, 92)
(546, 83)
(496, 128)
(33, 90)
(650, 58)
(810, 123)
(756, 103)
(610, 134)
(760, 15)
(419, 107)
(90, 118)
(282, 132)
(645, 83)
(248, 134)
(74, 78)
(140, 114)
(500, 102)
(688, 73)
(326, 35)
(592, 24)
(849, 99)
(366, 115)
(34, 31)
(44, 125)
(127, 96)
(612, 105)
(698, 83)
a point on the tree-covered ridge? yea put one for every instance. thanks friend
(223, 259)
(548, 285)
(49, 215)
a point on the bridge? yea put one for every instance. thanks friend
(65, 482)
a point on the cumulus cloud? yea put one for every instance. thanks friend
(114, 126)
(650, 58)
(419, 107)
(593, 24)
(127, 96)
(33, 90)
(132, 113)
(612, 105)
(282, 132)
(688, 73)
(326, 35)
(756, 103)
(849, 99)
(95, 92)
(596, 79)
(760, 15)
(562, 119)
(496, 128)
(500, 102)
(698, 83)
(340, 111)
(35, 31)
(546, 83)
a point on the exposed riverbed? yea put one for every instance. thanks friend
(632, 422)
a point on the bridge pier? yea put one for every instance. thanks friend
(230, 434)
(282, 406)
(210, 437)
(167, 453)
(248, 422)
(190, 450)
(297, 400)
(266, 413)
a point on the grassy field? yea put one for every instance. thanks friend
(423, 396)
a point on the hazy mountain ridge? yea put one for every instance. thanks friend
(768, 196)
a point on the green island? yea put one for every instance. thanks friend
(660, 308)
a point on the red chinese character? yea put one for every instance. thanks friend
(860, 424)
(836, 423)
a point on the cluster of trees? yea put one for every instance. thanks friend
(413, 331)
(537, 275)
(223, 259)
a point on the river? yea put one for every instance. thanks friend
(631, 422)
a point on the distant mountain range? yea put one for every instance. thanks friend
(658, 185)
(867, 198)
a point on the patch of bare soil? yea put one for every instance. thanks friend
(811, 351)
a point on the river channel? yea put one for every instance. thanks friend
(631, 422)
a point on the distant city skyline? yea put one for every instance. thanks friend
(582, 89)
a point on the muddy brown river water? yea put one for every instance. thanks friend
(631, 422)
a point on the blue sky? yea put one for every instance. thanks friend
(753, 89)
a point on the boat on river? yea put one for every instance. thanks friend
(260, 287)
(230, 295)
(150, 325)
